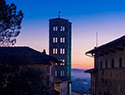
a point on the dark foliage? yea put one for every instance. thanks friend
(20, 79)
(10, 23)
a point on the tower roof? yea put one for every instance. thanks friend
(59, 19)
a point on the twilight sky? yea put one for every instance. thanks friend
(107, 17)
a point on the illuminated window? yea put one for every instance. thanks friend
(56, 39)
(53, 39)
(62, 60)
(63, 40)
(63, 51)
(55, 28)
(54, 50)
(55, 63)
(63, 28)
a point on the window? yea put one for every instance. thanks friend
(120, 62)
(62, 51)
(53, 39)
(62, 61)
(61, 73)
(62, 40)
(55, 63)
(55, 28)
(62, 28)
(101, 65)
(106, 65)
(56, 39)
(112, 63)
(55, 73)
(54, 50)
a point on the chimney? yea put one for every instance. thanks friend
(44, 51)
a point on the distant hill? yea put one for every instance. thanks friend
(79, 73)
(80, 81)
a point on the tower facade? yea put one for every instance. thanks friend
(60, 46)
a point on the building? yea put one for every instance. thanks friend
(26, 56)
(60, 48)
(108, 74)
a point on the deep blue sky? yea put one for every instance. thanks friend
(107, 17)
(35, 9)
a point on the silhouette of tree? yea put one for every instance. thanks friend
(16, 78)
(10, 23)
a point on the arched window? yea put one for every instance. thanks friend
(63, 39)
(56, 39)
(53, 39)
(54, 50)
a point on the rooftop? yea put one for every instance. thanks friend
(36, 56)
(113, 45)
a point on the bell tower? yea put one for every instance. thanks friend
(60, 46)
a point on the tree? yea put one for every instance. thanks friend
(10, 23)
(16, 78)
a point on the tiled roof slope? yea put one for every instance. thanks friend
(36, 56)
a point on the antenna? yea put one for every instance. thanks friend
(59, 14)
(96, 39)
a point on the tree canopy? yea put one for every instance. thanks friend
(10, 23)
(17, 78)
